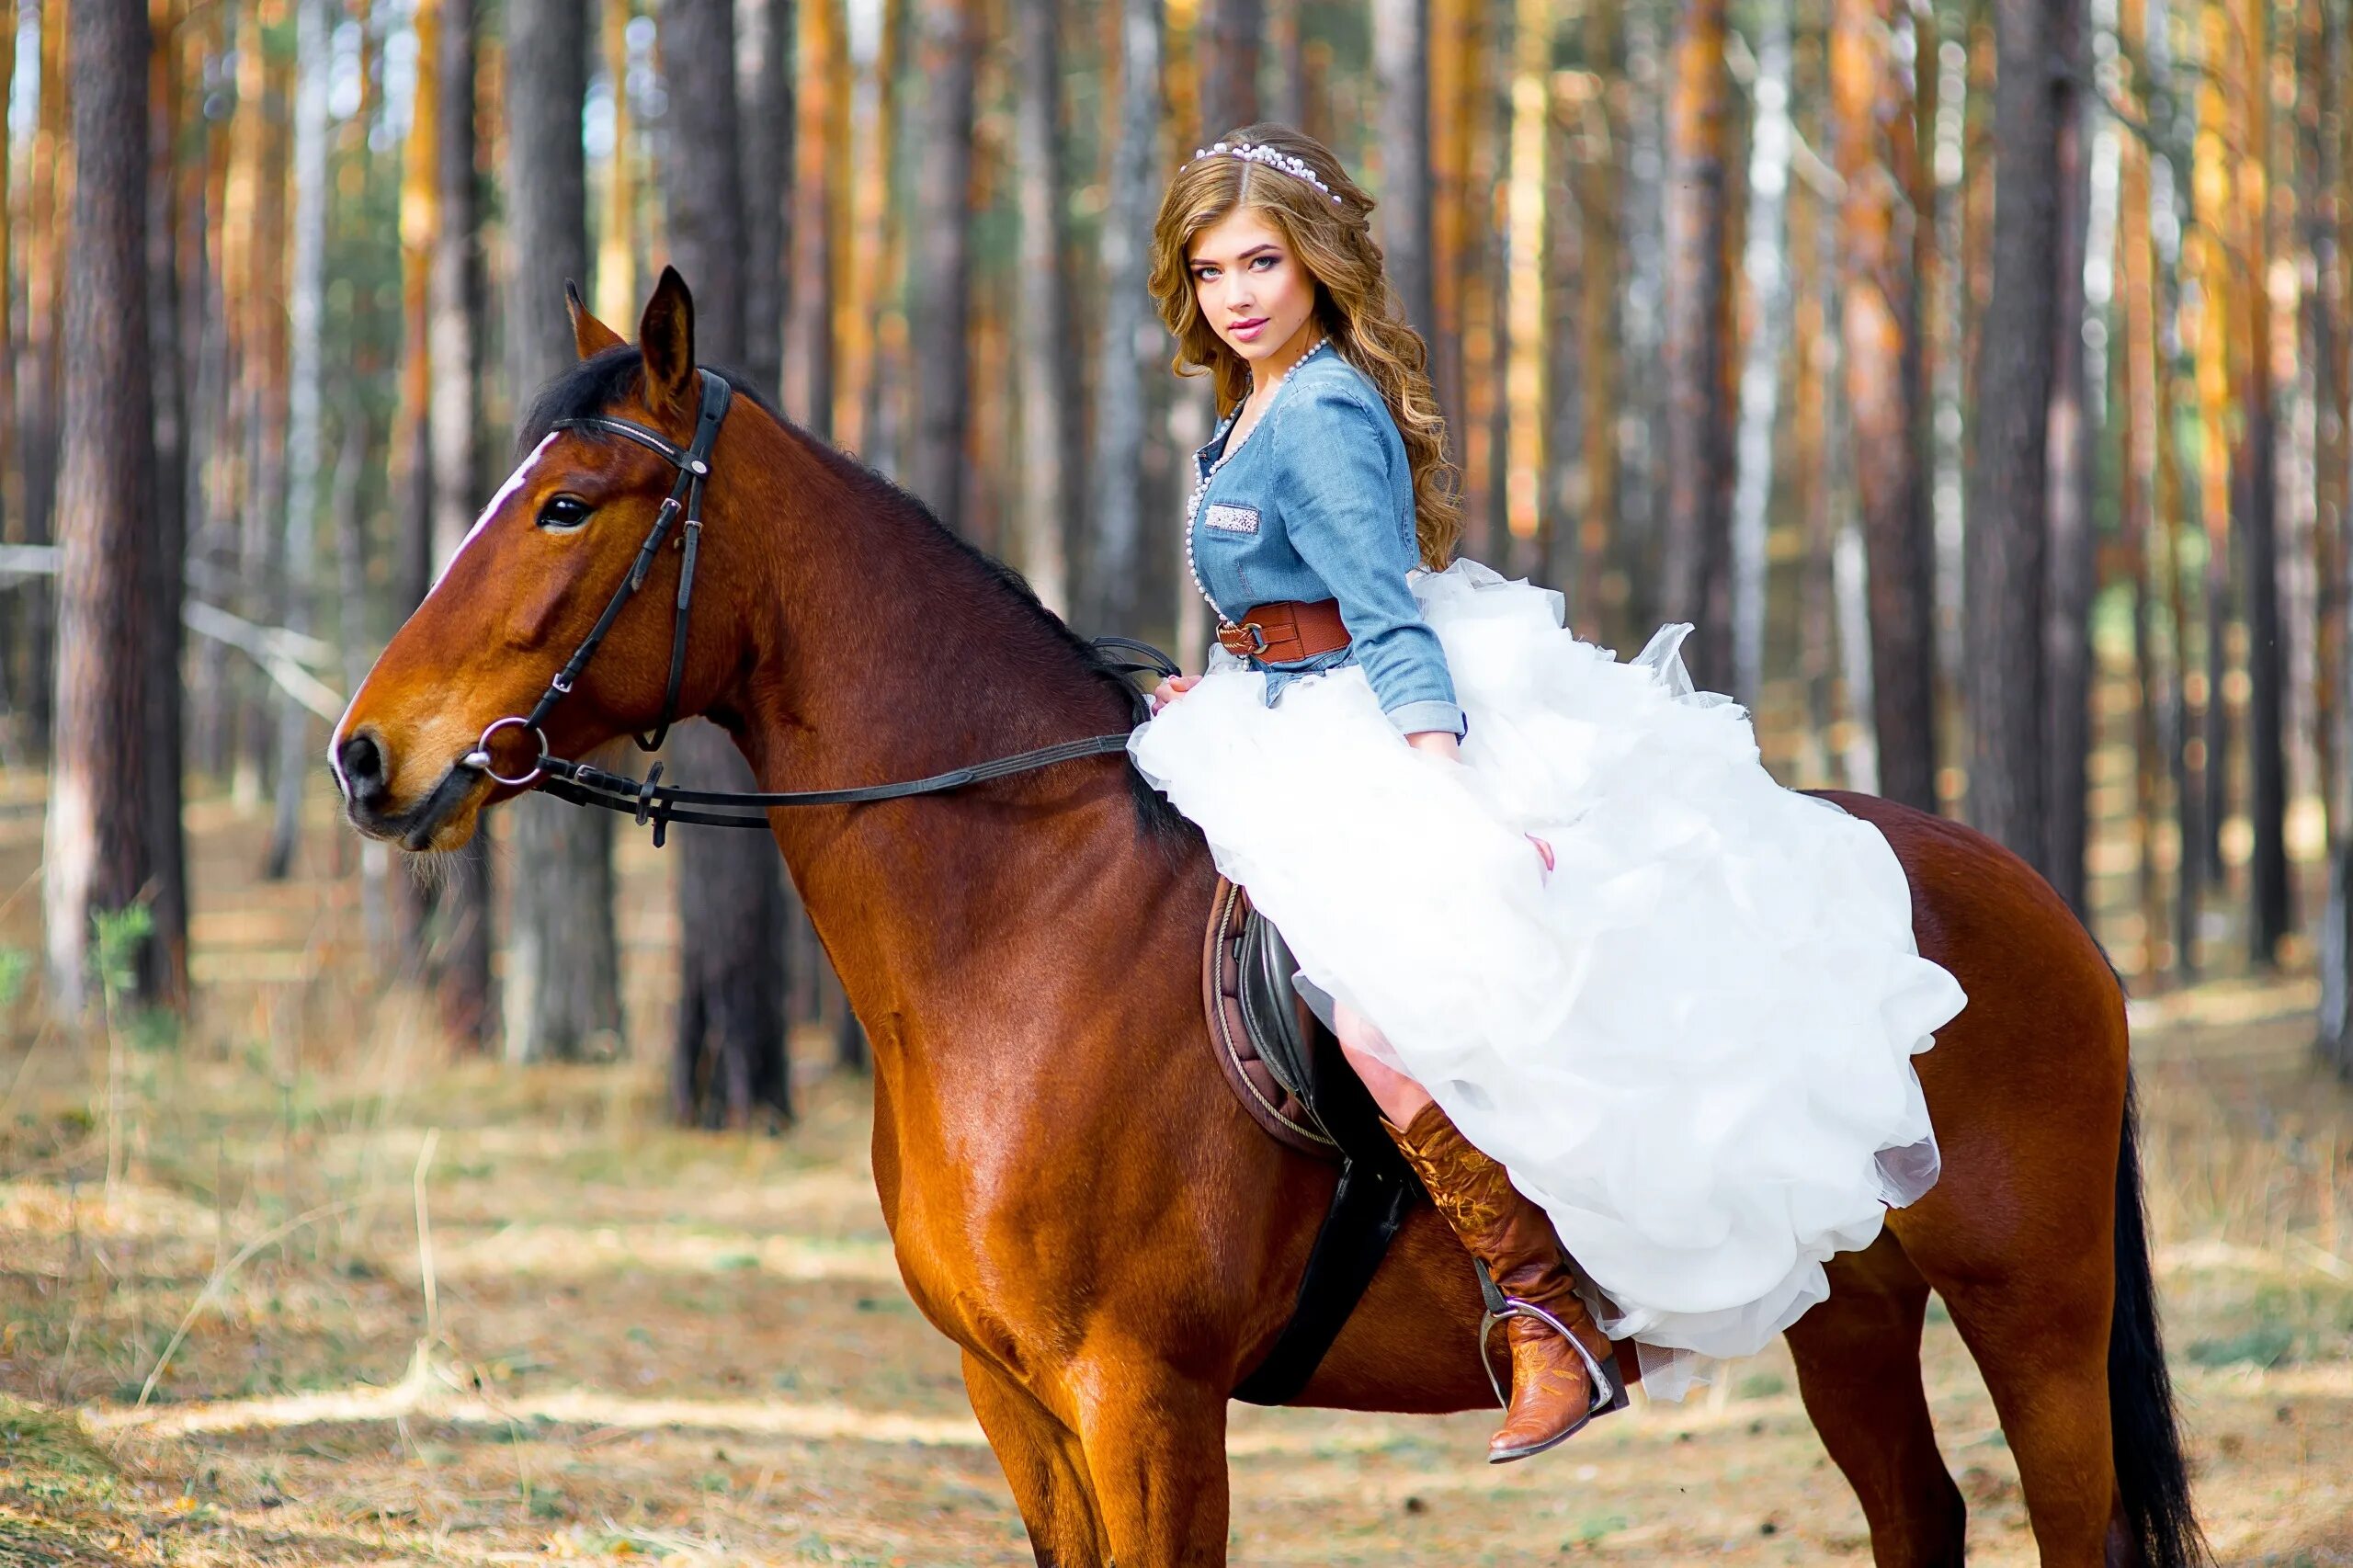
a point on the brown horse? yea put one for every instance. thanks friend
(1074, 1195)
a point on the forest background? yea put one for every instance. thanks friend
(1973, 374)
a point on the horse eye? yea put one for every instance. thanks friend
(564, 512)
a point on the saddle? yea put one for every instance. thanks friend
(1286, 1068)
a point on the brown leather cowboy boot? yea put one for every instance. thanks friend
(1557, 1385)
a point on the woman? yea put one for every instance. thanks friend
(1595, 966)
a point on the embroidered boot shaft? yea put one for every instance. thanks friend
(1557, 1385)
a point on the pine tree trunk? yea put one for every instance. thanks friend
(1694, 584)
(1049, 402)
(306, 306)
(560, 989)
(167, 844)
(810, 349)
(1130, 344)
(1401, 72)
(1602, 250)
(95, 852)
(2009, 492)
(948, 54)
(2256, 477)
(764, 78)
(2336, 179)
(1878, 335)
(728, 1059)
(2068, 566)
(1229, 34)
(615, 292)
(453, 425)
(37, 385)
(1765, 265)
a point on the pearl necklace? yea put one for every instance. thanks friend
(1201, 488)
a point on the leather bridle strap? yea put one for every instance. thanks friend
(651, 800)
(693, 464)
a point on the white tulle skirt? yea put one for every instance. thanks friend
(1691, 1042)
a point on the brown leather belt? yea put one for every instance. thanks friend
(1286, 629)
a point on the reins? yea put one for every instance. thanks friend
(653, 802)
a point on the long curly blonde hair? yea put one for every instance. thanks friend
(1355, 305)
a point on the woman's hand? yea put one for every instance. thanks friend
(1171, 688)
(1442, 743)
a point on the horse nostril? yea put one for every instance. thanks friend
(362, 762)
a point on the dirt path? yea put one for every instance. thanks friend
(624, 1343)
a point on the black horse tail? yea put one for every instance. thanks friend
(2151, 1481)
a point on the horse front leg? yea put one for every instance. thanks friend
(1154, 1445)
(1042, 1465)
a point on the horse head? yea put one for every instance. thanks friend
(421, 752)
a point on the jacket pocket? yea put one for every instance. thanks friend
(1230, 517)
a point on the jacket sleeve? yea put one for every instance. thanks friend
(1340, 513)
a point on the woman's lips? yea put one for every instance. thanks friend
(1247, 329)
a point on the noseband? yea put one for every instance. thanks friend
(651, 800)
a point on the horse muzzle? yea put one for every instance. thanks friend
(365, 770)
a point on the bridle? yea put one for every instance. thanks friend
(648, 799)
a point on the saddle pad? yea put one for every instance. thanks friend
(1271, 1104)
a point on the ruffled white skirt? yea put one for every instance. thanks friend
(1691, 1042)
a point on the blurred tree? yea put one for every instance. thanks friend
(764, 82)
(1765, 267)
(1870, 99)
(1129, 348)
(2068, 563)
(1601, 259)
(165, 749)
(812, 355)
(1400, 68)
(1229, 34)
(729, 1057)
(37, 383)
(2009, 495)
(560, 989)
(948, 53)
(96, 855)
(1050, 391)
(617, 297)
(2255, 501)
(305, 440)
(1694, 583)
(456, 341)
(2333, 69)
(255, 240)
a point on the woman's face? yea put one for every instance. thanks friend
(1253, 288)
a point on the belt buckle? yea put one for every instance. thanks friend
(1257, 637)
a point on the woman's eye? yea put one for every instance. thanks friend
(1267, 260)
(564, 512)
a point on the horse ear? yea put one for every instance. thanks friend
(667, 337)
(590, 336)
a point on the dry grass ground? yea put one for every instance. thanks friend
(412, 1310)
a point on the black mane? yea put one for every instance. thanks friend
(596, 384)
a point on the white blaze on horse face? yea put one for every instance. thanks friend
(506, 492)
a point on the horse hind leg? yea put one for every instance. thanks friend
(1858, 1371)
(2040, 1343)
(1042, 1465)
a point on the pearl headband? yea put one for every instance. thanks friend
(1273, 158)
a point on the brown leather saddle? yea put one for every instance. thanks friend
(1286, 1068)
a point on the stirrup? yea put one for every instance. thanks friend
(1603, 1391)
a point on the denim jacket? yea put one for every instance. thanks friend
(1318, 502)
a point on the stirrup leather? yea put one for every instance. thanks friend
(1603, 1393)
